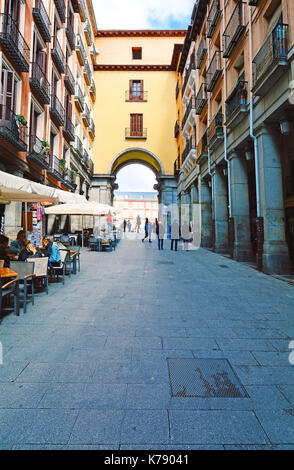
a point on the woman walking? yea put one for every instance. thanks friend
(146, 230)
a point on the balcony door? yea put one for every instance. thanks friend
(12, 8)
(136, 125)
(136, 89)
(7, 99)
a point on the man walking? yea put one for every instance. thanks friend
(175, 235)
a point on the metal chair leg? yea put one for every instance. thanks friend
(25, 296)
(33, 293)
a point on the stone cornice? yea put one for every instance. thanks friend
(141, 33)
(133, 68)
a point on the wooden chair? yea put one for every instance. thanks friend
(25, 277)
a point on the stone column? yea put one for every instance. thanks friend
(275, 250)
(220, 212)
(168, 196)
(240, 208)
(205, 202)
(102, 189)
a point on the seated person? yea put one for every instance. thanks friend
(29, 251)
(4, 250)
(51, 250)
(18, 244)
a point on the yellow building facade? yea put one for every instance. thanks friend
(135, 110)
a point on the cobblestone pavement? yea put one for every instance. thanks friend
(86, 367)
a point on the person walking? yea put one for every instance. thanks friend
(138, 223)
(129, 226)
(125, 225)
(146, 229)
(186, 234)
(160, 233)
(175, 235)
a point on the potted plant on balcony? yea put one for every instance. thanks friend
(20, 119)
(45, 147)
(73, 176)
(63, 166)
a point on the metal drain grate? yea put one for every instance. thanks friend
(205, 378)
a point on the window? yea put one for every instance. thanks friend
(136, 90)
(136, 125)
(137, 53)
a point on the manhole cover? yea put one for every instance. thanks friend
(204, 378)
(166, 262)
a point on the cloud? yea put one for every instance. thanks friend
(136, 178)
(144, 14)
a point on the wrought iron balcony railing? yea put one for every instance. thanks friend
(79, 98)
(273, 52)
(57, 55)
(191, 67)
(69, 81)
(68, 180)
(68, 129)
(234, 29)
(92, 128)
(37, 154)
(70, 35)
(213, 18)
(56, 168)
(83, 11)
(214, 70)
(177, 165)
(57, 111)
(136, 95)
(78, 146)
(191, 145)
(80, 50)
(92, 88)
(237, 100)
(85, 158)
(42, 20)
(91, 166)
(202, 49)
(39, 84)
(202, 150)
(11, 130)
(216, 130)
(177, 128)
(13, 43)
(88, 32)
(86, 116)
(75, 5)
(191, 106)
(60, 7)
(201, 98)
(253, 3)
(87, 72)
(177, 90)
(135, 133)
(93, 53)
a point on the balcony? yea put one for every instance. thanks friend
(87, 72)
(234, 29)
(39, 84)
(93, 53)
(202, 49)
(190, 115)
(92, 129)
(213, 17)
(69, 81)
(80, 50)
(91, 167)
(236, 104)
(85, 158)
(75, 5)
(177, 90)
(214, 71)
(86, 115)
(11, 131)
(190, 76)
(79, 98)
(70, 35)
(82, 10)
(92, 89)
(88, 32)
(68, 180)
(177, 166)
(58, 56)
(135, 133)
(216, 130)
(60, 7)
(78, 146)
(56, 168)
(42, 20)
(177, 128)
(13, 43)
(68, 129)
(271, 61)
(136, 95)
(202, 151)
(56, 111)
(190, 149)
(36, 153)
(201, 98)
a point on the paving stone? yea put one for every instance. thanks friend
(278, 425)
(145, 426)
(190, 343)
(15, 395)
(97, 427)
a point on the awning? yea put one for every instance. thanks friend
(87, 208)
(14, 188)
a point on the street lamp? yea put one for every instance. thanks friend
(285, 126)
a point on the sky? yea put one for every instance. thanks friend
(141, 14)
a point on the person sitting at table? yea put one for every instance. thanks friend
(17, 245)
(51, 250)
(4, 250)
(29, 251)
